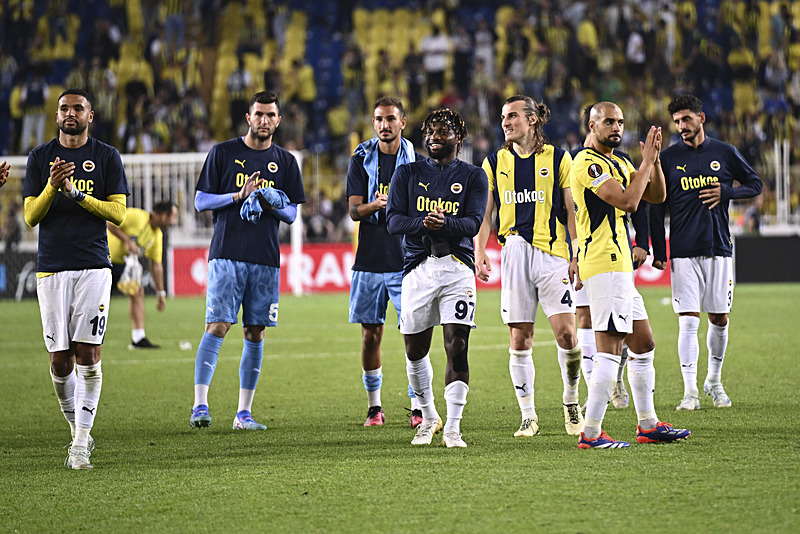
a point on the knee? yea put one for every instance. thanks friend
(718, 319)
(566, 338)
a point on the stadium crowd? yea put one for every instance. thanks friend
(171, 76)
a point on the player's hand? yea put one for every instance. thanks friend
(249, 185)
(161, 304)
(651, 148)
(574, 275)
(380, 201)
(434, 220)
(60, 172)
(4, 169)
(132, 247)
(483, 265)
(660, 264)
(711, 196)
(639, 256)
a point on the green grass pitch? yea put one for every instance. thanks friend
(317, 469)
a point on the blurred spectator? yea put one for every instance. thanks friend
(435, 49)
(103, 40)
(33, 98)
(752, 216)
(240, 89)
(175, 25)
(12, 229)
(462, 59)
(485, 45)
(415, 76)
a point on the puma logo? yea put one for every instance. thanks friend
(51, 338)
(623, 317)
(90, 410)
(240, 162)
(522, 387)
(504, 173)
(425, 186)
(419, 394)
(681, 167)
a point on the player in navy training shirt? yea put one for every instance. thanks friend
(378, 268)
(73, 185)
(438, 205)
(244, 258)
(700, 172)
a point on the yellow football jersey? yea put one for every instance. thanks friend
(527, 193)
(603, 238)
(137, 225)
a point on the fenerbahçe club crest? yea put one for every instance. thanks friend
(88, 165)
(456, 188)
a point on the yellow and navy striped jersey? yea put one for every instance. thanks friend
(603, 239)
(137, 225)
(527, 193)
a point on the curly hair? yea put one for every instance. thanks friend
(535, 109)
(690, 102)
(450, 118)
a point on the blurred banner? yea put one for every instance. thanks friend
(326, 267)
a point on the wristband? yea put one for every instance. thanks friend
(75, 194)
(161, 293)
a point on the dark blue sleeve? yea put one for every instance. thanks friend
(209, 175)
(469, 222)
(640, 226)
(116, 181)
(33, 185)
(397, 218)
(657, 231)
(745, 175)
(357, 179)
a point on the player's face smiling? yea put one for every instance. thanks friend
(609, 126)
(74, 114)
(263, 120)
(388, 123)
(516, 125)
(441, 142)
(689, 124)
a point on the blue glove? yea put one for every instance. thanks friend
(274, 197)
(251, 208)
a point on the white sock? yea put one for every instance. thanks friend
(717, 342)
(373, 397)
(523, 374)
(455, 395)
(688, 352)
(642, 378)
(200, 395)
(604, 375)
(570, 363)
(65, 393)
(622, 361)
(81, 438)
(137, 334)
(588, 349)
(87, 396)
(245, 399)
(420, 376)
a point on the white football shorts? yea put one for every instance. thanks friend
(702, 284)
(437, 291)
(581, 297)
(614, 302)
(530, 276)
(74, 307)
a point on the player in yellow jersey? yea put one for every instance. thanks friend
(606, 187)
(142, 229)
(529, 189)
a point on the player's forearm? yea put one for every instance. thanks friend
(287, 214)
(398, 224)
(746, 190)
(36, 208)
(112, 210)
(655, 191)
(210, 201)
(157, 270)
(467, 226)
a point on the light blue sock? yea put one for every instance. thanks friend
(411, 392)
(372, 382)
(250, 366)
(206, 361)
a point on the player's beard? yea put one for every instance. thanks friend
(611, 143)
(259, 136)
(692, 134)
(78, 129)
(443, 153)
